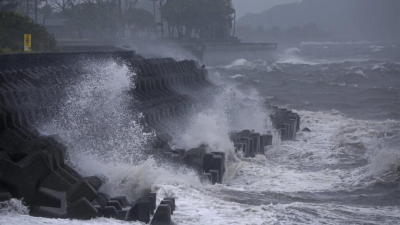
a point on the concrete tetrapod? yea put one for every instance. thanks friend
(82, 209)
(140, 211)
(168, 202)
(163, 215)
(54, 204)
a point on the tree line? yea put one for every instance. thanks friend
(99, 19)
(206, 19)
(103, 18)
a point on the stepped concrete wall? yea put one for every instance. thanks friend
(32, 165)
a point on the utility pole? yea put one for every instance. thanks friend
(36, 11)
(161, 20)
(154, 10)
(27, 7)
(119, 19)
(234, 24)
(214, 31)
(108, 20)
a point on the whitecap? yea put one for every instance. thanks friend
(333, 43)
(237, 76)
(237, 63)
(291, 56)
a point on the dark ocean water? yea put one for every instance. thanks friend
(358, 79)
(346, 171)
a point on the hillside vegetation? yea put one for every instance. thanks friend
(351, 19)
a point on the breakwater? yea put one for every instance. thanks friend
(33, 165)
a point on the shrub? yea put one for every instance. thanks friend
(14, 25)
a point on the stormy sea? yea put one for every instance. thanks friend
(346, 170)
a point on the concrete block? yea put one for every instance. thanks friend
(170, 203)
(162, 216)
(52, 204)
(101, 200)
(121, 214)
(24, 175)
(81, 189)
(94, 181)
(55, 182)
(140, 211)
(152, 197)
(123, 201)
(173, 201)
(110, 212)
(214, 176)
(114, 203)
(82, 209)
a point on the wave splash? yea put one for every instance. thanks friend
(97, 116)
(13, 206)
(97, 121)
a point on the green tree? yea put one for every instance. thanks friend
(8, 5)
(199, 18)
(100, 18)
(141, 19)
(14, 25)
(46, 10)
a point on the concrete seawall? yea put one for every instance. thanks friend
(22, 61)
(33, 165)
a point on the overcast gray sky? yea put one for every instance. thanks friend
(256, 6)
